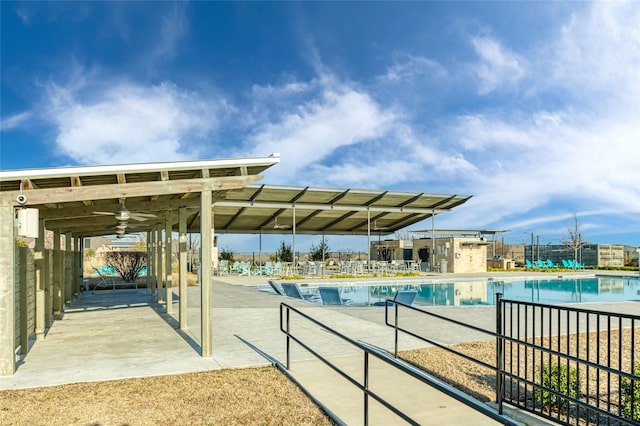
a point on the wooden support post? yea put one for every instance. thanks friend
(168, 273)
(149, 251)
(206, 241)
(48, 286)
(182, 273)
(152, 261)
(58, 261)
(41, 283)
(159, 277)
(68, 276)
(25, 282)
(7, 290)
(79, 266)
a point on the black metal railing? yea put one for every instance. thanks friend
(569, 364)
(398, 329)
(550, 360)
(363, 385)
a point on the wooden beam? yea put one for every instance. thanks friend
(28, 184)
(140, 206)
(164, 177)
(127, 190)
(77, 182)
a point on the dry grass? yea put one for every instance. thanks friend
(479, 381)
(256, 396)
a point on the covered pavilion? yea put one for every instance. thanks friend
(157, 199)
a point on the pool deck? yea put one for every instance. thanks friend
(82, 346)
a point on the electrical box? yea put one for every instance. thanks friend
(28, 225)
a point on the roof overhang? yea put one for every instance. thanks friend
(280, 209)
(70, 199)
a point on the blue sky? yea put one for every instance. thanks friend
(531, 107)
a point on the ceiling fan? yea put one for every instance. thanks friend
(378, 228)
(123, 225)
(276, 225)
(123, 214)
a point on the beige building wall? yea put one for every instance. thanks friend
(462, 255)
(393, 249)
(610, 254)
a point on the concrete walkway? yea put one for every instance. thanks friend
(123, 334)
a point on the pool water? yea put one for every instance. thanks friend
(482, 292)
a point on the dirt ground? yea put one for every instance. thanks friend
(255, 396)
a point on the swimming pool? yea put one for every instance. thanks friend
(482, 291)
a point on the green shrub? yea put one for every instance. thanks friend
(630, 392)
(227, 254)
(562, 379)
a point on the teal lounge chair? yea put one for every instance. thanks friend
(331, 296)
(275, 288)
(529, 264)
(541, 264)
(565, 264)
(403, 296)
(550, 264)
(292, 290)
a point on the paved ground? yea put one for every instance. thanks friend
(111, 335)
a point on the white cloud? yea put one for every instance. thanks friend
(408, 67)
(314, 130)
(578, 153)
(172, 28)
(597, 54)
(499, 67)
(128, 123)
(14, 121)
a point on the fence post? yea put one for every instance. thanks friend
(366, 388)
(499, 354)
(288, 342)
(395, 305)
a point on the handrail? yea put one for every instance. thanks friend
(503, 338)
(368, 350)
(498, 335)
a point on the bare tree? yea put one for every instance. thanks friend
(574, 240)
(403, 235)
(193, 251)
(128, 264)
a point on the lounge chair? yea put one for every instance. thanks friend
(541, 264)
(530, 265)
(565, 264)
(402, 296)
(275, 288)
(331, 296)
(550, 264)
(292, 290)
